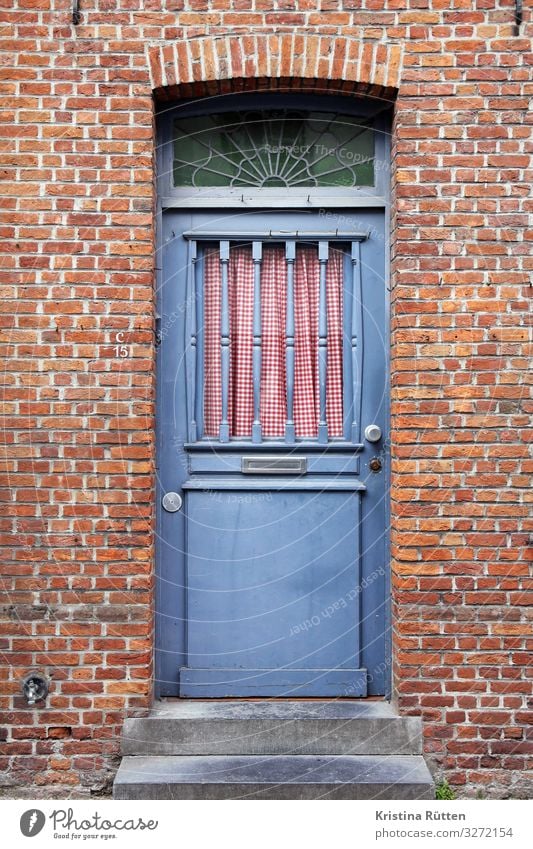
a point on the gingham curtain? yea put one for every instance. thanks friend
(273, 407)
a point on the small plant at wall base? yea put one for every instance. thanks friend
(443, 790)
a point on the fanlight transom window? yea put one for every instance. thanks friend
(273, 148)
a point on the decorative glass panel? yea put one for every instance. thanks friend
(269, 149)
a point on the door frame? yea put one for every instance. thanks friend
(378, 197)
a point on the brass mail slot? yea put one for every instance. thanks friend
(275, 465)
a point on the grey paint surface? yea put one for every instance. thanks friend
(197, 628)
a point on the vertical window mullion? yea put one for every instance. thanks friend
(200, 339)
(290, 256)
(323, 254)
(257, 341)
(224, 341)
(191, 357)
(356, 342)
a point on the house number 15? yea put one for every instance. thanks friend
(121, 350)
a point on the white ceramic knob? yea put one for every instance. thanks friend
(373, 433)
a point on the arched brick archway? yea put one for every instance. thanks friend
(215, 65)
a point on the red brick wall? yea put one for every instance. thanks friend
(77, 158)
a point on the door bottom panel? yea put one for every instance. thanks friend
(290, 683)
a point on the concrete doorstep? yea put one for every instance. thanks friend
(273, 750)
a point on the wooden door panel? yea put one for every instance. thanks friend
(272, 577)
(272, 584)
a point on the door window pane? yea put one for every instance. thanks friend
(273, 384)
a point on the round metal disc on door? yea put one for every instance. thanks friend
(172, 502)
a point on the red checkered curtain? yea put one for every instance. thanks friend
(273, 387)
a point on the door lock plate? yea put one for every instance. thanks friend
(375, 464)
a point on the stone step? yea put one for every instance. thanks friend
(272, 728)
(274, 777)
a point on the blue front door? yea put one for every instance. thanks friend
(272, 503)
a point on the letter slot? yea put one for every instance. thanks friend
(276, 465)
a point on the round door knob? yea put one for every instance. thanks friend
(372, 433)
(172, 502)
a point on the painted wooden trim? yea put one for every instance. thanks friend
(356, 341)
(240, 199)
(222, 682)
(290, 257)
(198, 307)
(241, 445)
(224, 341)
(257, 249)
(231, 463)
(323, 255)
(191, 349)
(277, 235)
(361, 107)
(323, 483)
